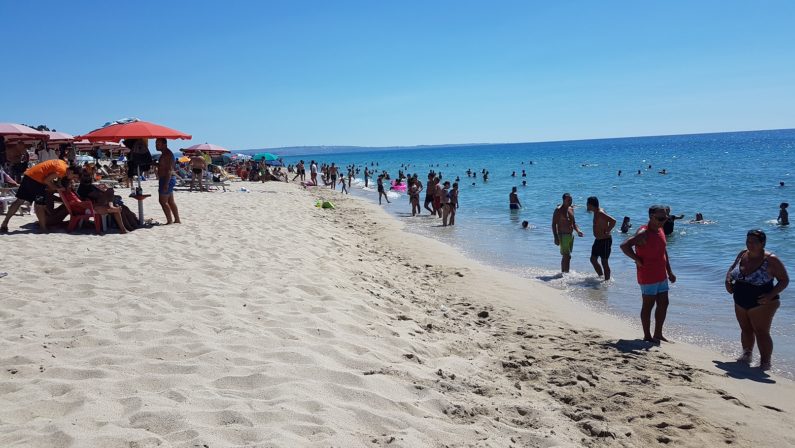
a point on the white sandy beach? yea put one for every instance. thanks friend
(262, 321)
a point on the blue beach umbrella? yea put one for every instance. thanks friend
(266, 156)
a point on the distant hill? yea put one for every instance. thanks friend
(322, 150)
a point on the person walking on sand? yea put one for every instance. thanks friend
(446, 203)
(381, 191)
(344, 188)
(166, 182)
(299, 171)
(756, 298)
(513, 200)
(197, 165)
(563, 228)
(602, 227)
(653, 271)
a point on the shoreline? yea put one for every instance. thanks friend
(273, 322)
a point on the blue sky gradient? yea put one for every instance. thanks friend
(247, 74)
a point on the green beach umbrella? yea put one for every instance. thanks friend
(266, 156)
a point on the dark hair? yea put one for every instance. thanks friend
(593, 200)
(626, 218)
(566, 195)
(656, 208)
(514, 189)
(758, 234)
(525, 223)
(784, 205)
(159, 140)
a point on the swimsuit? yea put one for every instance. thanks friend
(566, 243)
(514, 206)
(169, 183)
(602, 248)
(748, 287)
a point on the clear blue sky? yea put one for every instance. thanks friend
(247, 74)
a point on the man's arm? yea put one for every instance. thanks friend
(574, 223)
(627, 246)
(611, 223)
(671, 275)
(555, 226)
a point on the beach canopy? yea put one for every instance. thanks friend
(59, 137)
(85, 145)
(207, 148)
(13, 131)
(134, 129)
(266, 156)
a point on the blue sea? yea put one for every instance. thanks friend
(732, 178)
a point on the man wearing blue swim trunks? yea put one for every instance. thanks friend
(166, 182)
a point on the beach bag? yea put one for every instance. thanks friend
(130, 219)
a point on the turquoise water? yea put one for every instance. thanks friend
(732, 178)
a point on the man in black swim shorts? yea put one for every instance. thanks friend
(603, 225)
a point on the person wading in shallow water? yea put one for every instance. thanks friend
(563, 226)
(654, 271)
(603, 243)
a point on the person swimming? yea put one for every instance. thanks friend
(525, 224)
(783, 214)
(625, 225)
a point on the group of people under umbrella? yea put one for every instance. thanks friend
(57, 168)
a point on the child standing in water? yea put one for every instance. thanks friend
(783, 214)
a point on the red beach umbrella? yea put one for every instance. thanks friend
(207, 148)
(13, 131)
(135, 129)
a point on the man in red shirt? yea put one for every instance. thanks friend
(654, 271)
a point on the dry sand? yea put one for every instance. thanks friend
(263, 321)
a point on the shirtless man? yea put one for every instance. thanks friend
(563, 226)
(602, 227)
(197, 165)
(17, 158)
(429, 193)
(166, 182)
(332, 172)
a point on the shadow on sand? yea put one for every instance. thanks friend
(742, 371)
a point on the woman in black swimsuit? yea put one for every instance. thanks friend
(756, 297)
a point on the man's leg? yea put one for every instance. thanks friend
(12, 210)
(659, 316)
(173, 206)
(163, 199)
(596, 267)
(606, 267)
(645, 316)
(565, 263)
(41, 215)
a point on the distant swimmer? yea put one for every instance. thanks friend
(524, 174)
(485, 176)
(524, 183)
(619, 173)
(663, 171)
(513, 174)
(563, 226)
(625, 225)
(603, 225)
(513, 200)
(639, 172)
(783, 214)
(781, 184)
(699, 217)
(525, 224)
(653, 270)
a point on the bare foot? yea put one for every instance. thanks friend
(660, 338)
(178, 222)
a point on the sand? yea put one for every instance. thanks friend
(263, 321)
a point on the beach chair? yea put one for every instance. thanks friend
(76, 219)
